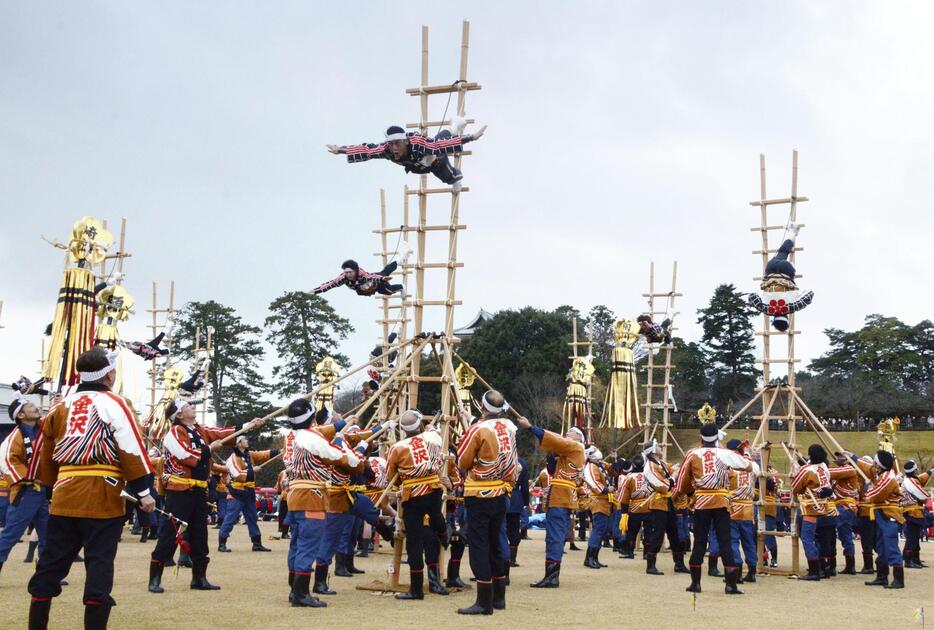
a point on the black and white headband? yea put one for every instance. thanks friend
(303, 417)
(179, 405)
(89, 377)
(16, 404)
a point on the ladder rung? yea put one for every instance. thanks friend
(763, 361)
(435, 123)
(447, 265)
(774, 202)
(777, 333)
(772, 227)
(770, 533)
(443, 89)
(390, 321)
(434, 191)
(423, 228)
(433, 303)
(662, 295)
(775, 251)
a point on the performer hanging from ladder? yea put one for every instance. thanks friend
(780, 292)
(417, 153)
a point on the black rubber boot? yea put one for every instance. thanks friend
(95, 617)
(39, 614)
(144, 535)
(300, 597)
(573, 547)
(882, 575)
(750, 574)
(898, 577)
(321, 581)
(849, 567)
(199, 579)
(31, 551)
(695, 580)
(596, 558)
(911, 561)
(155, 577)
(499, 593)
(386, 532)
(348, 562)
(506, 568)
(867, 564)
(552, 572)
(513, 552)
(831, 564)
(712, 569)
(678, 557)
(813, 574)
(184, 560)
(589, 561)
(650, 565)
(732, 578)
(484, 603)
(258, 544)
(627, 553)
(222, 545)
(340, 566)
(774, 561)
(416, 585)
(434, 581)
(453, 579)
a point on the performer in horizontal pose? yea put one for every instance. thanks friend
(417, 153)
(361, 281)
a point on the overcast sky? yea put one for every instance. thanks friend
(619, 133)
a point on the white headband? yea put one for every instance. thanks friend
(399, 135)
(346, 269)
(179, 405)
(300, 419)
(411, 426)
(493, 408)
(17, 403)
(577, 431)
(89, 377)
(713, 438)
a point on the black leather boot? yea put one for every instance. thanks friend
(732, 578)
(416, 585)
(552, 572)
(513, 552)
(199, 579)
(650, 565)
(867, 564)
(596, 558)
(258, 544)
(39, 613)
(95, 617)
(222, 545)
(300, 597)
(484, 603)
(882, 575)
(898, 577)
(155, 577)
(627, 553)
(712, 569)
(453, 579)
(144, 535)
(321, 581)
(499, 593)
(695, 580)
(813, 574)
(184, 560)
(31, 551)
(434, 581)
(340, 566)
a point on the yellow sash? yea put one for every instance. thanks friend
(93, 470)
(191, 483)
(420, 481)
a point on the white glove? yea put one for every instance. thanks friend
(352, 460)
(391, 425)
(363, 444)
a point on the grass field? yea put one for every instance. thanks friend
(255, 591)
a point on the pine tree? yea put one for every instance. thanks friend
(728, 344)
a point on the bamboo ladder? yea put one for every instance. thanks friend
(160, 317)
(418, 301)
(658, 375)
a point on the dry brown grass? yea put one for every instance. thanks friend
(255, 591)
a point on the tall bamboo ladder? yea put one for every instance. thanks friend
(444, 339)
(658, 374)
(394, 313)
(576, 345)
